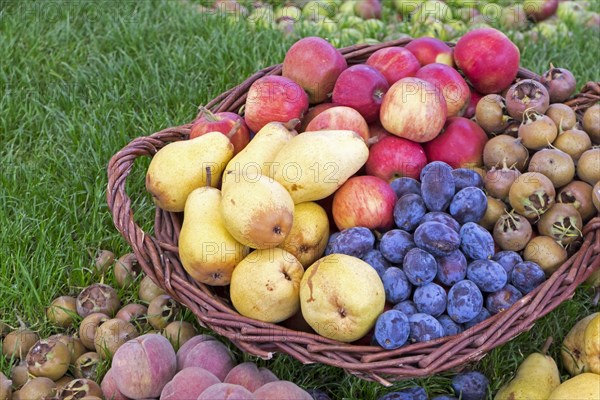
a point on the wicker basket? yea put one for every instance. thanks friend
(158, 255)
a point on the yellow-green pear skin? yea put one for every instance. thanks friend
(265, 285)
(207, 250)
(313, 165)
(582, 387)
(180, 167)
(591, 339)
(536, 378)
(258, 155)
(309, 235)
(257, 210)
(572, 352)
(341, 297)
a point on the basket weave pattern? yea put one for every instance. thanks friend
(158, 256)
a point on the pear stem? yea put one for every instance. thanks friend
(291, 124)
(547, 345)
(208, 177)
(234, 129)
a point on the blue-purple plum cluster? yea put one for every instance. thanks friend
(438, 266)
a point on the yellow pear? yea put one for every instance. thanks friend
(591, 340)
(582, 387)
(180, 167)
(265, 284)
(257, 157)
(341, 297)
(207, 250)
(536, 378)
(573, 349)
(310, 231)
(313, 165)
(257, 210)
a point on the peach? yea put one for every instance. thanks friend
(143, 366)
(227, 391)
(189, 383)
(281, 390)
(211, 355)
(184, 350)
(267, 375)
(109, 387)
(247, 375)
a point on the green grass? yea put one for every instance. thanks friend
(82, 79)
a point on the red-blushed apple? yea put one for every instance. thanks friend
(394, 157)
(367, 9)
(488, 58)
(376, 133)
(312, 113)
(364, 201)
(430, 50)
(413, 109)
(473, 101)
(274, 99)
(459, 145)
(361, 87)
(222, 122)
(315, 65)
(340, 118)
(452, 85)
(539, 10)
(394, 63)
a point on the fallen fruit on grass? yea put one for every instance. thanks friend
(310, 231)
(86, 366)
(149, 290)
(19, 374)
(49, 359)
(143, 366)
(162, 310)
(188, 383)
(180, 167)
(111, 335)
(74, 344)
(137, 314)
(264, 285)
(109, 387)
(62, 311)
(104, 260)
(179, 332)
(79, 389)
(126, 270)
(281, 389)
(414, 109)
(347, 310)
(532, 194)
(211, 355)
(88, 328)
(17, 343)
(98, 298)
(37, 388)
(5, 387)
(247, 375)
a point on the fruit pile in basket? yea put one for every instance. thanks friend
(428, 182)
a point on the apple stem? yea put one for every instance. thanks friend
(234, 129)
(547, 345)
(209, 115)
(291, 124)
(208, 177)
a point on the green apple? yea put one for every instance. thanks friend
(319, 8)
(288, 12)
(347, 7)
(433, 8)
(405, 7)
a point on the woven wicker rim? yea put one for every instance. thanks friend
(158, 256)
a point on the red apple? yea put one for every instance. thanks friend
(448, 81)
(488, 58)
(361, 87)
(315, 65)
(539, 10)
(430, 50)
(367, 9)
(312, 113)
(376, 133)
(274, 99)
(414, 109)
(394, 63)
(459, 145)
(342, 118)
(364, 201)
(223, 122)
(393, 157)
(472, 106)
